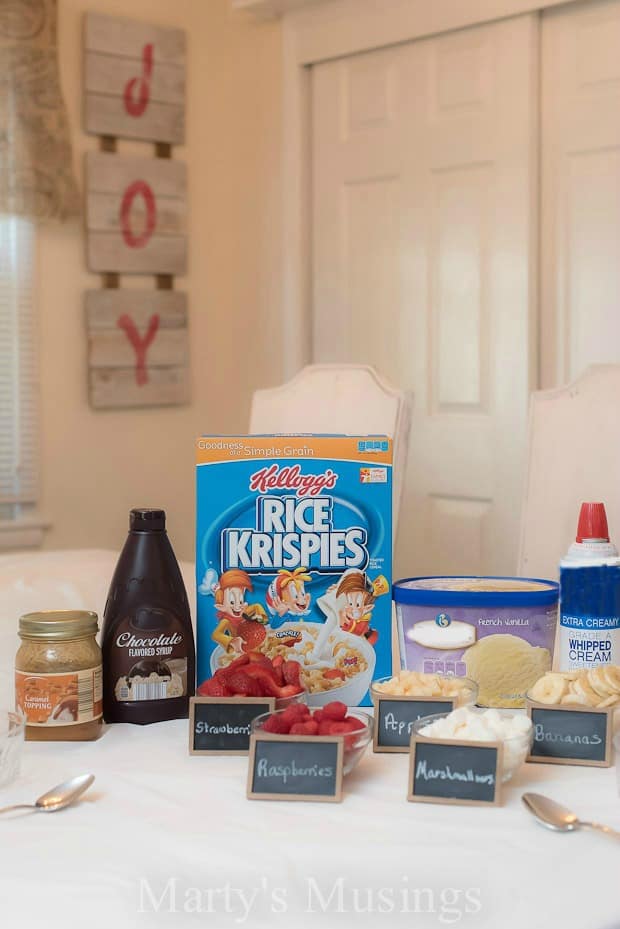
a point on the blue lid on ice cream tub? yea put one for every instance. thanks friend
(464, 591)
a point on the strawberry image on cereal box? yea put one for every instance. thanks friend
(293, 566)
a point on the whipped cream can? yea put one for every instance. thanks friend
(590, 595)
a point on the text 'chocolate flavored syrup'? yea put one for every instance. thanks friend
(148, 640)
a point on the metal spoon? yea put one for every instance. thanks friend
(555, 816)
(58, 797)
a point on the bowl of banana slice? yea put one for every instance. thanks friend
(594, 687)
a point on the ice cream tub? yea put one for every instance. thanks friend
(498, 631)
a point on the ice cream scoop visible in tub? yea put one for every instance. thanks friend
(505, 667)
(475, 725)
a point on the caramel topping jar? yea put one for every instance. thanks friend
(58, 680)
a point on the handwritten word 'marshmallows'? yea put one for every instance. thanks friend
(425, 773)
(291, 532)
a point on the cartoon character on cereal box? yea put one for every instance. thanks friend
(240, 624)
(287, 593)
(356, 597)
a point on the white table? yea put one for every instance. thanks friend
(158, 819)
(157, 814)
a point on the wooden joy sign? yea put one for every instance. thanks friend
(134, 75)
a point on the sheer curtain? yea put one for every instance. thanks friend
(36, 183)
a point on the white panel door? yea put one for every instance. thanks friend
(423, 188)
(580, 242)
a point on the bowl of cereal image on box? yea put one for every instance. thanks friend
(499, 631)
(473, 724)
(335, 665)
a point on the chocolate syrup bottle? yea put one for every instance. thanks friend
(148, 640)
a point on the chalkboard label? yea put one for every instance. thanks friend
(567, 735)
(395, 716)
(221, 725)
(448, 771)
(294, 767)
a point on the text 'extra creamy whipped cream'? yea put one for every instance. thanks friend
(590, 595)
(498, 631)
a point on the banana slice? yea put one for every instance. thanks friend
(575, 700)
(612, 678)
(598, 682)
(609, 701)
(582, 687)
(550, 688)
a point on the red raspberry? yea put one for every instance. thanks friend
(307, 728)
(354, 723)
(325, 726)
(335, 710)
(296, 712)
(346, 728)
(342, 727)
(275, 723)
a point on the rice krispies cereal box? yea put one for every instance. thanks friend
(294, 560)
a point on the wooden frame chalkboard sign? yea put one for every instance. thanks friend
(394, 718)
(281, 752)
(571, 734)
(453, 779)
(221, 725)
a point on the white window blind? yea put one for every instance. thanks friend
(18, 370)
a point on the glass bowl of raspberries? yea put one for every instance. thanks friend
(354, 726)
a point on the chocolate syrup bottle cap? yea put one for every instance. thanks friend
(592, 523)
(147, 520)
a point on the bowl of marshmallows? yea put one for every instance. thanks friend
(470, 724)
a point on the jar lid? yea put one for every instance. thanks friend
(58, 624)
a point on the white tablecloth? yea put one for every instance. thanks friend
(165, 839)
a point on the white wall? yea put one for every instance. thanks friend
(96, 465)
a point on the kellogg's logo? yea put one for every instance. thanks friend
(291, 478)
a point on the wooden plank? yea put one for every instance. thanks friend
(110, 173)
(126, 37)
(161, 122)
(107, 251)
(103, 214)
(110, 74)
(117, 387)
(138, 347)
(111, 348)
(134, 79)
(104, 307)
